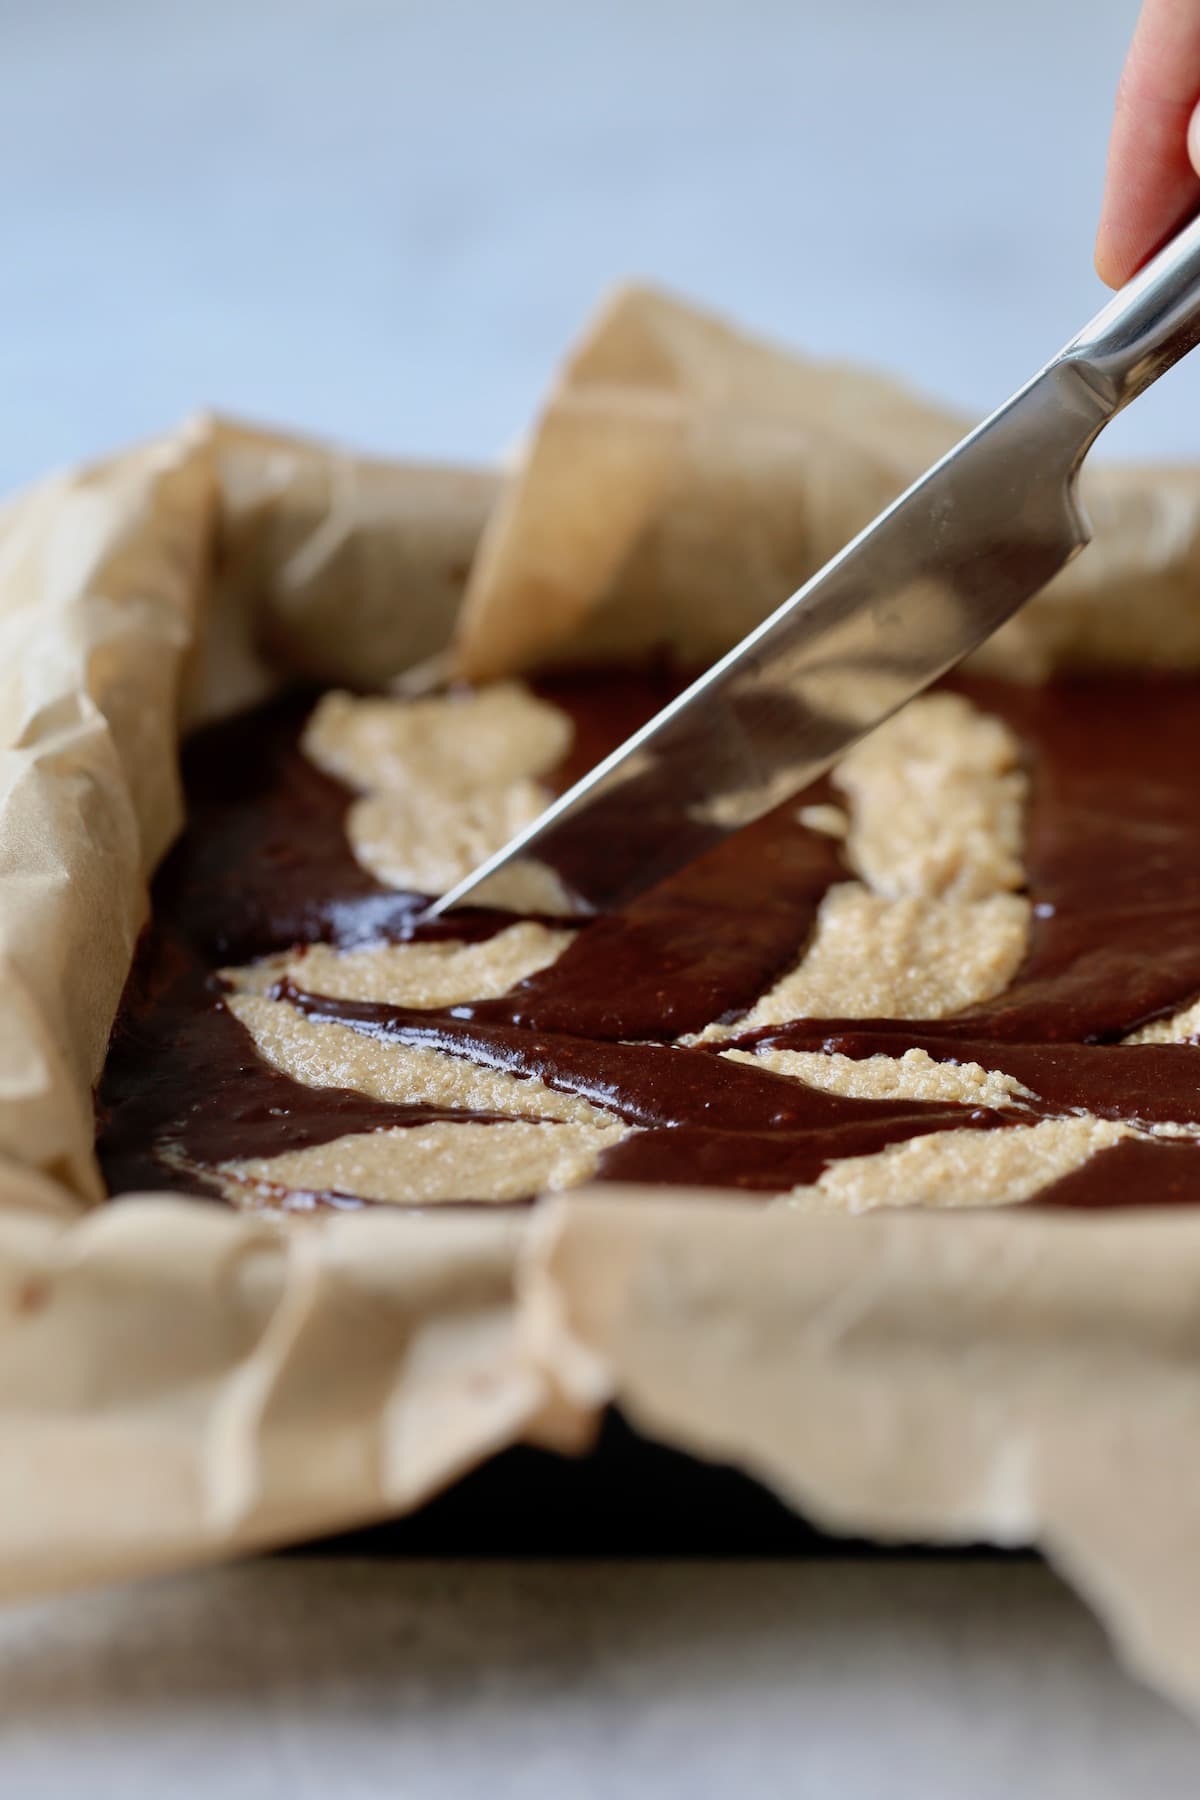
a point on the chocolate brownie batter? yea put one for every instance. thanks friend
(1112, 861)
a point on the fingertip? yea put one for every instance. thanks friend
(1106, 264)
(1193, 139)
(1119, 245)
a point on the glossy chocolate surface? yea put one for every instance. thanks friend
(1113, 859)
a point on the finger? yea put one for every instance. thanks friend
(1151, 185)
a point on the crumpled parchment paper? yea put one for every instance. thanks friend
(178, 1382)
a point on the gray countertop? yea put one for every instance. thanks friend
(382, 220)
(933, 1679)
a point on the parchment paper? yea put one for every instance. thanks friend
(684, 479)
(178, 1382)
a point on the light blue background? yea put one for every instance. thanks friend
(382, 219)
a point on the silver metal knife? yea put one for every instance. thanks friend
(907, 599)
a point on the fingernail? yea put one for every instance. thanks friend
(1193, 139)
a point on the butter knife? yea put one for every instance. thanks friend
(916, 591)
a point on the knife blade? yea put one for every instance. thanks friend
(905, 601)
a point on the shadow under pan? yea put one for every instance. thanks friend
(629, 1497)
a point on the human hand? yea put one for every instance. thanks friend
(1153, 180)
